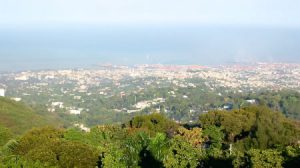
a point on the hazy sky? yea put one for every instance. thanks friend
(67, 33)
(251, 12)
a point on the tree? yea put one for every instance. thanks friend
(17, 162)
(213, 137)
(48, 146)
(181, 154)
(5, 135)
(153, 123)
(291, 156)
(74, 154)
(253, 127)
(158, 146)
(36, 138)
(265, 158)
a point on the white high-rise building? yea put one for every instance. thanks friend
(2, 92)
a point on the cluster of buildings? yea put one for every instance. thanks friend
(111, 80)
(259, 75)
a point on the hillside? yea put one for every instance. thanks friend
(253, 136)
(19, 118)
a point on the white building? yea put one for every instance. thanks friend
(57, 104)
(185, 96)
(82, 127)
(17, 99)
(77, 97)
(142, 105)
(21, 78)
(251, 101)
(76, 112)
(2, 92)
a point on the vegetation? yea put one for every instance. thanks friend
(253, 136)
(19, 118)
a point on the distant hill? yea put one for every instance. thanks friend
(19, 118)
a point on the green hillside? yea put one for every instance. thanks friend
(19, 118)
(252, 137)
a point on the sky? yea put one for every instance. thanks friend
(68, 33)
(250, 12)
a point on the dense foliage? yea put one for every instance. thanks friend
(254, 127)
(250, 137)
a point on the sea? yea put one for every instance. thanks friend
(87, 46)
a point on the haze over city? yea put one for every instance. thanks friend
(68, 34)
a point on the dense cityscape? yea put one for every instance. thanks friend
(120, 90)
